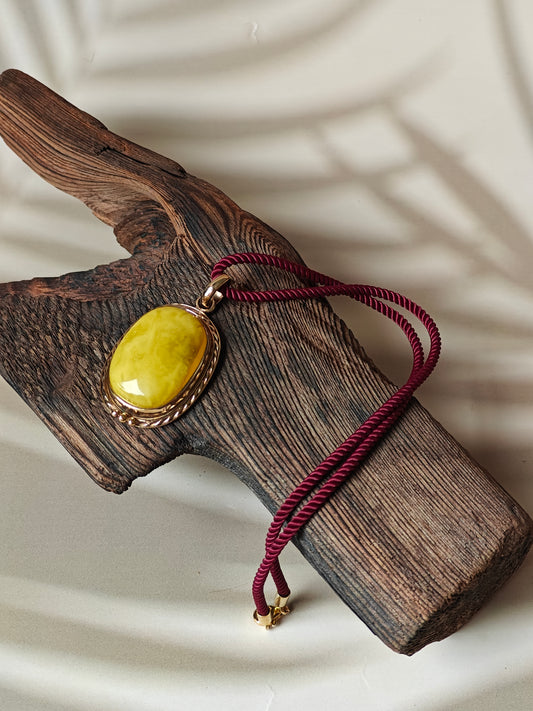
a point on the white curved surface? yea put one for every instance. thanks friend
(392, 143)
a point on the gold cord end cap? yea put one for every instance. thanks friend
(276, 611)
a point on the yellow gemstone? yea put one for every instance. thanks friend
(157, 356)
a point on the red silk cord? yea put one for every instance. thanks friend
(318, 486)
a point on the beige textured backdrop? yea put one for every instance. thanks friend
(392, 143)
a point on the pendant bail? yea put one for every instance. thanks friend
(212, 295)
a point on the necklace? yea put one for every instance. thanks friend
(165, 360)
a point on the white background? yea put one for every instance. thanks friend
(391, 142)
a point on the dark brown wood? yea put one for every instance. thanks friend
(414, 543)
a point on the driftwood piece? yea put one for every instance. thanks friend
(417, 540)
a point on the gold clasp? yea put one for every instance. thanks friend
(212, 295)
(275, 612)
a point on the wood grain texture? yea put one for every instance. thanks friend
(417, 540)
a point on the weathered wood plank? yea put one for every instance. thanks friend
(417, 540)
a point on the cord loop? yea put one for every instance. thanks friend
(320, 485)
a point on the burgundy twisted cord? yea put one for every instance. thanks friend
(295, 511)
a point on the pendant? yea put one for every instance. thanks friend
(163, 362)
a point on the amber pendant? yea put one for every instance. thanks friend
(163, 362)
